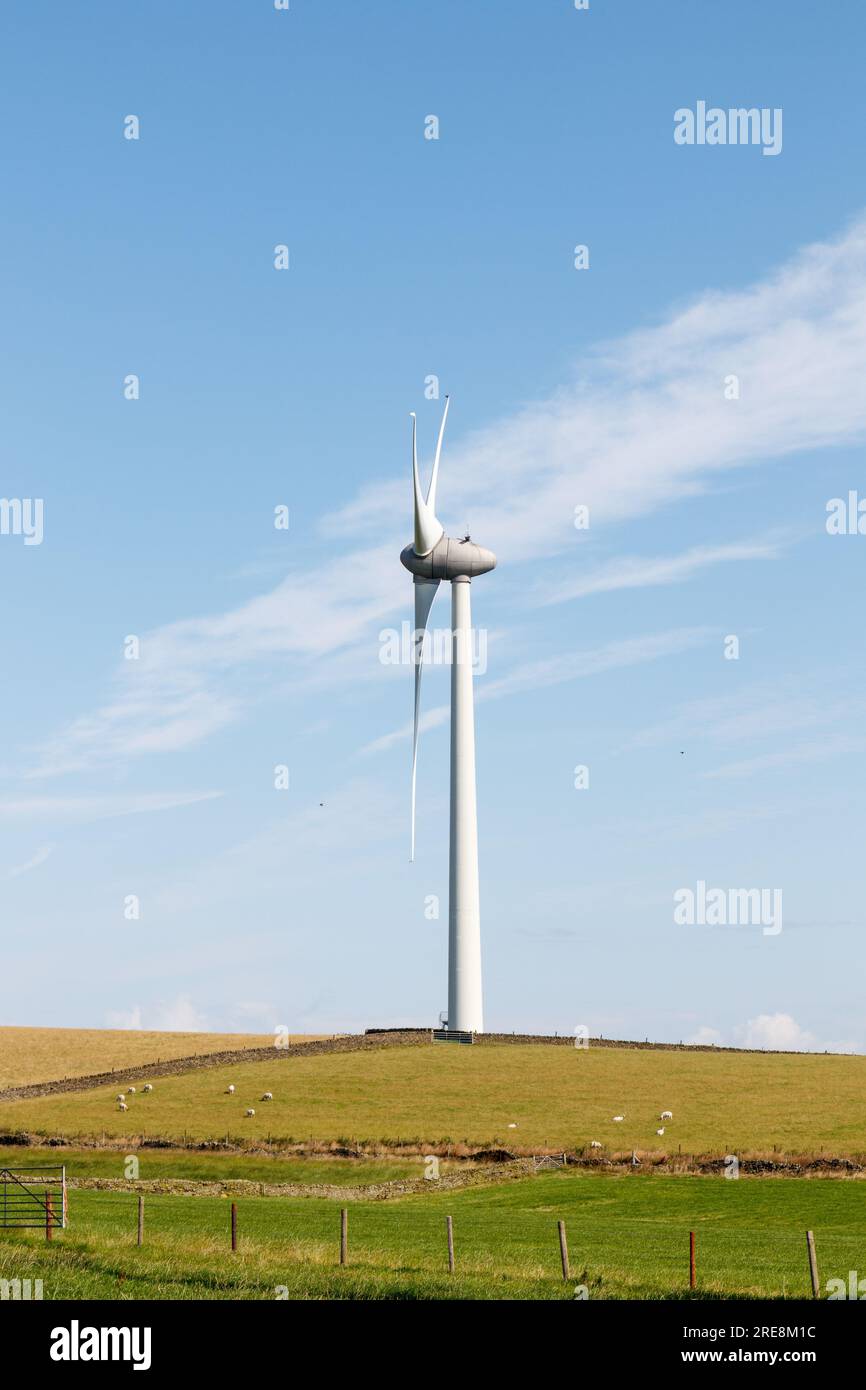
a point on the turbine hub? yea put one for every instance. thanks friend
(449, 559)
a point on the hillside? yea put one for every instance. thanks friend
(44, 1054)
(554, 1096)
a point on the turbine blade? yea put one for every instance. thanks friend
(431, 491)
(427, 529)
(425, 592)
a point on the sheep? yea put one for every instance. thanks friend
(660, 1132)
(230, 1090)
(617, 1119)
(120, 1099)
(250, 1113)
(512, 1126)
(130, 1090)
(595, 1144)
(148, 1087)
(123, 1106)
(269, 1095)
(666, 1115)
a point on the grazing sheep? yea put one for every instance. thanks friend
(123, 1106)
(250, 1113)
(230, 1090)
(660, 1132)
(512, 1126)
(595, 1144)
(618, 1119)
(148, 1087)
(120, 1099)
(666, 1115)
(130, 1090)
(269, 1095)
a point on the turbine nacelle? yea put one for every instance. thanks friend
(449, 559)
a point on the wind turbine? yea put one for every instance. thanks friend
(431, 558)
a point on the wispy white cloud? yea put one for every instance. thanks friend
(818, 751)
(773, 715)
(32, 863)
(640, 572)
(762, 711)
(537, 675)
(646, 425)
(569, 666)
(91, 808)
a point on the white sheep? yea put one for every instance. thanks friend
(595, 1144)
(123, 1106)
(618, 1119)
(148, 1087)
(666, 1115)
(660, 1132)
(120, 1099)
(512, 1126)
(269, 1095)
(230, 1090)
(250, 1113)
(130, 1090)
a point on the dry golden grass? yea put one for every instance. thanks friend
(47, 1054)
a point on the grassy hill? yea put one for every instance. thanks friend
(557, 1097)
(44, 1054)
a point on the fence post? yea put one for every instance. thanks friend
(49, 1218)
(563, 1249)
(140, 1220)
(449, 1224)
(234, 1225)
(692, 1272)
(813, 1264)
(344, 1235)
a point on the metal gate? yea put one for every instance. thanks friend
(33, 1196)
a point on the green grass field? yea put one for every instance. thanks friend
(628, 1233)
(557, 1097)
(167, 1165)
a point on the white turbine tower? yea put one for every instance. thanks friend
(432, 558)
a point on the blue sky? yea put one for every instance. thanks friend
(602, 387)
